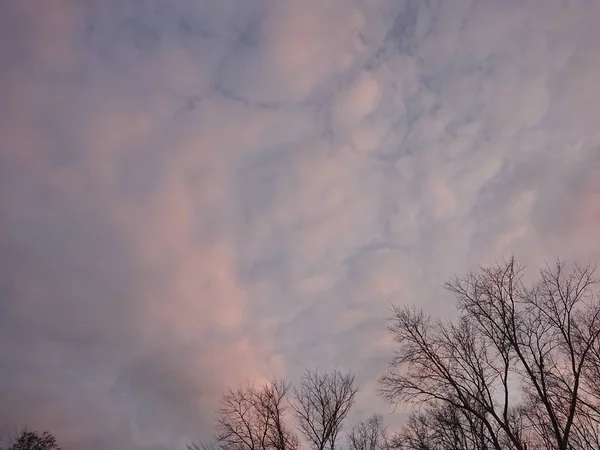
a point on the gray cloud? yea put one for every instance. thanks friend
(193, 194)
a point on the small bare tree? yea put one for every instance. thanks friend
(441, 426)
(253, 418)
(32, 440)
(520, 361)
(203, 446)
(321, 404)
(369, 435)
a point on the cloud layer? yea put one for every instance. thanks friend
(197, 193)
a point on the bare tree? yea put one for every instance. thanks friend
(587, 425)
(321, 404)
(520, 361)
(442, 426)
(210, 445)
(369, 435)
(253, 418)
(32, 440)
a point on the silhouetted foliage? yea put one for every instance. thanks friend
(32, 440)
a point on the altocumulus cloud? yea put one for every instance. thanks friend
(197, 193)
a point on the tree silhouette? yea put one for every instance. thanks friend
(33, 440)
(321, 404)
(253, 418)
(520, 363)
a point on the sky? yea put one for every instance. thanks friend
(198, 193)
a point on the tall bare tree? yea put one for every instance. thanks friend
(368, 435)
(252, 418)
(519, 360)
(321, 404)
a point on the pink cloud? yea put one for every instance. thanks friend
(313, 41)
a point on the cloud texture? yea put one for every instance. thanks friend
(197, 193)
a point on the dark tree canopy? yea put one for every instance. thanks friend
(33, 440)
